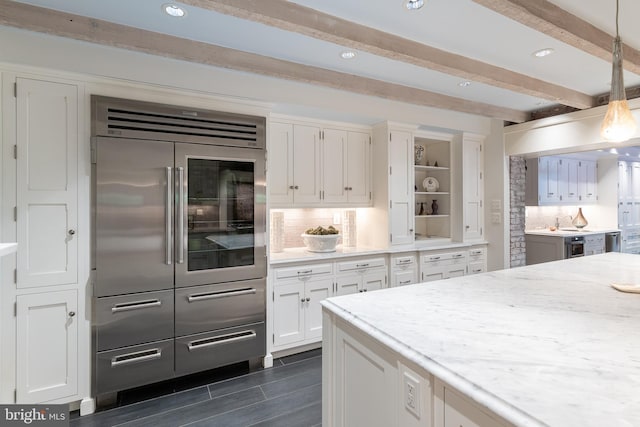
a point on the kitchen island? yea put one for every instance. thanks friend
(545, 345)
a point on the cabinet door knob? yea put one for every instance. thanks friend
(308, 299)
(72, 313)
(291, 187)
(346, 188)
(302, 300)
(72, 232)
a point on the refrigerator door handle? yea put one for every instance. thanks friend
(169, 217)
(180, 234)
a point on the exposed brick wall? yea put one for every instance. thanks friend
(517, 211)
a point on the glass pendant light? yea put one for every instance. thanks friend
(618, 124)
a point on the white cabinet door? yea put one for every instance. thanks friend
(401, 187)
(315, 292)
(588, 181)
(280, 167)
(334, 166)
(374, 280)
(549, 176)
(288, 317)
(473, 188)
(349, 284)
(572, 177)
(403, 277)
(306, 164)
(47, 346)
(47, 193)
(358, 167)
(364, 385)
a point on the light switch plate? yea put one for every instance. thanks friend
(496, 218)
(496, 205)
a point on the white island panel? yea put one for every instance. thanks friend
(544, 345)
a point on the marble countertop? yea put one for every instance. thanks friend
(291, 255)
(550, 344)
(563, 232)
(8, 248)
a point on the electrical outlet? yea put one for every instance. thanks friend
(496, 205)
(412, 394)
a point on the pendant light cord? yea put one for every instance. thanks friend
(617, 9)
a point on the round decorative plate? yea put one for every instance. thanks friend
(430, 184)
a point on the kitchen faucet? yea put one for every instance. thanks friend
(558, 220)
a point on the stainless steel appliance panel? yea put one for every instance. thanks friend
(574, 246)
(220, 214)
(213, 349)
(133, 319)
(612, 241)
(134, 185)
(134, 366)
(209, 307)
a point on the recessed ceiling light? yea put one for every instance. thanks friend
(466, 83)
(348, 54)
(173, 10)
(414, 4)
(543, 52)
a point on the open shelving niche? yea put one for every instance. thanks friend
(436, 163)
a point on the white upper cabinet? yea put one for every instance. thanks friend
(311, 166)
(47, 192)
(401, 187)
(294, 164)
(473, 187)
(555, 180)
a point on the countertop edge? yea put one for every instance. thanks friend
(473, 391)
(8, 248)
(304, 256)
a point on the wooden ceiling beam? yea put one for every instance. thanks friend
(547, 18)
(78, 27)
(293, 17)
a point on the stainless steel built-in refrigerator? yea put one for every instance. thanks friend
(179, 244)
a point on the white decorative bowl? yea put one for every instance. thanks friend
(320, 243)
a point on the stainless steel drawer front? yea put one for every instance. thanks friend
(133, 319)
(134, 366)
(211, 307)
(218, 348)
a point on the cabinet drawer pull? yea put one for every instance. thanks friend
(434, 258)
(137, 305)
(138, 356)
(476, 252)
(404, 261)
(220, 294)
(362, 265)
(405, 282)
(222, 339)
(457, 255)
(305, 272)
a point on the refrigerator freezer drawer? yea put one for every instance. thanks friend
(134, 366)
(210, 307)
(133, 319)
(213, 349)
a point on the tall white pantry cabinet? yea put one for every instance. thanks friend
(44, 328)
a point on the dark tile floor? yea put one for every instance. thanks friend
(287, 395)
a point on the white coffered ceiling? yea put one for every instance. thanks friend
(507, 81)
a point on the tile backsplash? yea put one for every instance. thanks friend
(539, 217)
(296, 221)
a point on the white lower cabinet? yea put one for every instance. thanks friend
(47, 346)
(404, 269)
(297, 292)
(477, 260)
(594, 244)
(458, 411)
(442, 265)
(361, 276)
